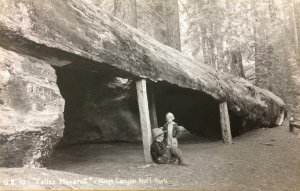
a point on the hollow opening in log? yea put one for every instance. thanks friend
(195, 111)
(102, 108)
(98, 106)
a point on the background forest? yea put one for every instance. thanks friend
(257, 40)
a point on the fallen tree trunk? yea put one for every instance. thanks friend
(74, 29)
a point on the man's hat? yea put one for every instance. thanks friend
(156, 132)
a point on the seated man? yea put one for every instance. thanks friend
(161, 152)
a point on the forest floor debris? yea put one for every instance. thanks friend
(245, 165)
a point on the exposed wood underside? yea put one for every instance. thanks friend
(75, 29)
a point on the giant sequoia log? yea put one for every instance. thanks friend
(76, 27)
(65, 33)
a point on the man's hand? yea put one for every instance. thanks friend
(166, 148)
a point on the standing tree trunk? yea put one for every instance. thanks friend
(233, 62)
(295, 28)
(172, 24)
(151, 20)
(236, 63)
(160, 19)
(261, 65)
(125, 10)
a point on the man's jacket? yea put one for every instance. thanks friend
(158, 151)
(176, 130)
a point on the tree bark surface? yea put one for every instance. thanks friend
(78, 29)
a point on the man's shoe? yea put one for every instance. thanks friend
(173, 160)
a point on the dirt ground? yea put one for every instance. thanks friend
(263, 159)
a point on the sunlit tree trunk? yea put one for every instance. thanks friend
(172, 23)
(160, 19)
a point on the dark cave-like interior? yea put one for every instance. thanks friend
(100, 107)
(195, 111)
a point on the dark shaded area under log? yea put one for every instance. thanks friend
(197, 112)
(100, 109)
